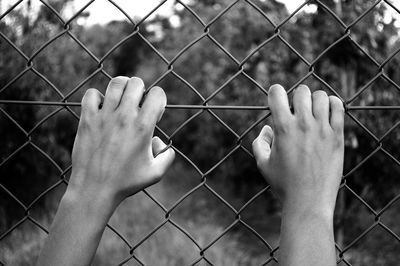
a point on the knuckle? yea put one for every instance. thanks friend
(141, 125)
(338, 129)
(158, 99)
(118, 81)
(305, 124)
(91, 92)
(274, 89)
(325, 132)
(319, 94)
(123, 119)
(338, 140)
(158, 92)
(173, 152)
(283, 127)
(341, 107)
(336, 103)
(104, 120)
(88, 94)
(84, 124)
(254, 143)
(304, 88)
(156, 139)
(254, 146)
(138, 82)
(259, 164)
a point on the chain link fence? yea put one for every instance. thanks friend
(64, 103)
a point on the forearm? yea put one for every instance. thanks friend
(114, 156)
(76, 230)
(307, 237)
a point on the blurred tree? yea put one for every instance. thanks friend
(63, 63)
(344, 67)
(206, 68)
(347, 69)
(29, 171)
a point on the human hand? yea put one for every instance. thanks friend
(302, 158)
(114, 154)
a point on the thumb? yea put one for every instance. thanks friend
(262, 145)
(163, 156)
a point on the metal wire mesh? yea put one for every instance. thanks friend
(64, 104)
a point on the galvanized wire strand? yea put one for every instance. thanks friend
(204, 107)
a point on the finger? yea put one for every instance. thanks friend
(262, 145)
(302, 102)
(114, 92)
(320, 106)
(279, 105)
(164, 159)
(89, 109)
(91, 102)
(133, 94)
(153, 106)
(157, 145)
(337, 113)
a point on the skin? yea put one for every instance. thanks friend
(302, 159)
(115, 156)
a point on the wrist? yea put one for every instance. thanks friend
(93, 207)
(307, 207)
(307, 235)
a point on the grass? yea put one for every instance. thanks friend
(201, 215)
(205, 218)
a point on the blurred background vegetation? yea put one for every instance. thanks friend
(372, 176)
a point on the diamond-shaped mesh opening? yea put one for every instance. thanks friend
(214, 71)
(298, 41)
(241, 39)
(22, 244)
(215, 61)
(82, 64)
(166, 241)
(255, 254)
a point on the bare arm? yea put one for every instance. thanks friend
(113, 158)
(302, 159)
